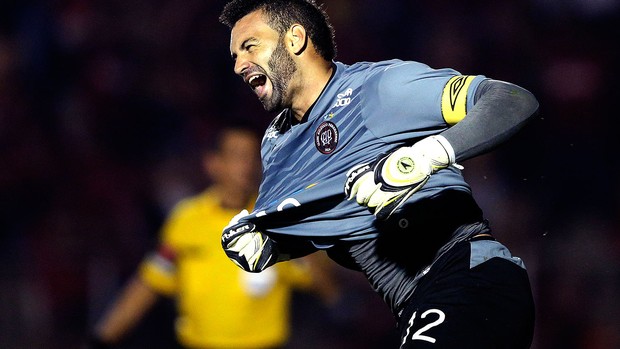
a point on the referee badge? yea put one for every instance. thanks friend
(326, 137)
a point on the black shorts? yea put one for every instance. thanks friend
(475, 296)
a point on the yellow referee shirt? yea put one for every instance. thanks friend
(219, 305)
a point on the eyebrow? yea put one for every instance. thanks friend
(242, 45)
(246, 41)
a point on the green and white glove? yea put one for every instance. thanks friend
(385, 184)
(250, 249)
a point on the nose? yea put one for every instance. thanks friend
(241, 65)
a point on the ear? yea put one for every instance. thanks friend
(296, 39)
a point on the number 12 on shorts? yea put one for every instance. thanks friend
(419, 334)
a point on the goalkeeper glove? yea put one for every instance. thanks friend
(251, 250)
(389, 181)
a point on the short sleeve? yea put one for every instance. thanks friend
(422, 99)
(158, 270)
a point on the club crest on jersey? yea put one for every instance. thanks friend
(326, 137)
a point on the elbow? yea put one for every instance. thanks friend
(530, 103)
(516, 100)
(521, 103)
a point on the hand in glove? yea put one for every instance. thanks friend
(251, 250)
(389, 181)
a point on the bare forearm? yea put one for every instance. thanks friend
(126, 311)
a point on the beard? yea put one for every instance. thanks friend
(282, 67)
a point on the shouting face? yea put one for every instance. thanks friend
(262, 60)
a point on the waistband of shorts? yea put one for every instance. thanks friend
(463, 234)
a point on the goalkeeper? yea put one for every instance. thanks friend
(362, 160)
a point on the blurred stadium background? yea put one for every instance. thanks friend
(104, 105)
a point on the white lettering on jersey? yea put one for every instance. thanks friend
(284, 203)
(344, 98)
(272, 133)
(289, 201)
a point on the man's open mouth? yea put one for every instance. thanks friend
(257, 82)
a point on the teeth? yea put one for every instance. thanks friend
(252, 78)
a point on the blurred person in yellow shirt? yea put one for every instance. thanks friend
(219, 305)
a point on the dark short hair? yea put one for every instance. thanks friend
(213, 140)
(281, 14)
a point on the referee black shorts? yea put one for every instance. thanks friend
(476, 296)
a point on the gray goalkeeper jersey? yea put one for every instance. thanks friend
(366, 109)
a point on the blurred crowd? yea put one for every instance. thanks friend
(105, 105)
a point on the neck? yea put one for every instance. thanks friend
(232, 198)
(313, 81)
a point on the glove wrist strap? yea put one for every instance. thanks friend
(439, 149)
(447, 147)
